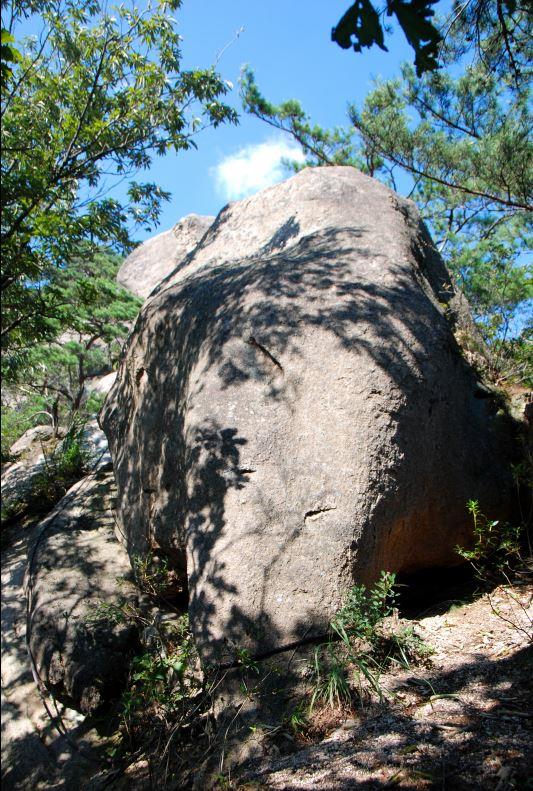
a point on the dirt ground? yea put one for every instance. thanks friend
(461, 721)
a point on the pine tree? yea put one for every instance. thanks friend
(462, 137)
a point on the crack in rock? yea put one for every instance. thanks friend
(310, 516)
(252, 341)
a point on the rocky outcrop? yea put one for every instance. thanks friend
(30, 482)
(80, 650)
(293, 414)
(94, 443)
(100, 384)
(21, 477)
(31, 442)
(156, 258)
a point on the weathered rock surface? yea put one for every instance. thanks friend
(80, 654)
(154, 259)
(101, 384)
(31, 440)
(94, 442)
(35, 756)
(293, 414)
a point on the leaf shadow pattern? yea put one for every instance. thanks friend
(476, 740)
(180, 452)
(35, 750)
(74, 566)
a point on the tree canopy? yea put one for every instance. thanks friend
(363, 25)
(92, 317)
(86, 103)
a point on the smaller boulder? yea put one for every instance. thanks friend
(36, 480)
(21, 478)
(31, 441)
(156, 258)
(79, 642)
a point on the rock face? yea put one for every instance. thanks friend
(293, 414)
(156, 258)
(94, 442)
(80, 653)
(101, 384)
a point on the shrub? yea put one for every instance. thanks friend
(496, 544)
(68, 462)
(152, 575)
(364, 609)
(496, 557)
(162, 683)
(365, 638)
(331, 678)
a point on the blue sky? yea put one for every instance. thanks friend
(287, 43)
(288, 46)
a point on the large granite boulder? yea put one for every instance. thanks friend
(156, 258)
(78, 641)
(293, 414)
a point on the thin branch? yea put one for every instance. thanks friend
(505, 32)
(23, 76)
(88, 103)
(447, 121)
(319, 154)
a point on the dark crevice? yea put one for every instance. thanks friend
(252, 341)
(433, 591)
(311, 514)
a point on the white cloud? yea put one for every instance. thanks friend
(254, 167)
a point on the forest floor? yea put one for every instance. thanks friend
(460, 721)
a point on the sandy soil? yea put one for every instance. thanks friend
(463, 721)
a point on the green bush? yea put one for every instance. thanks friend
(496, 557)
(152, 574)
(68, 462)
(161, 683)
(496, 544)
(366, 637)
(364, 609)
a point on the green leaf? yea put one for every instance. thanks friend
(101, 97)
(359, 27)
(423, 37)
